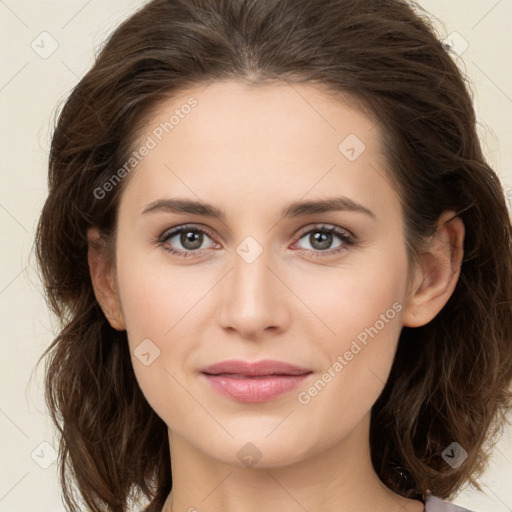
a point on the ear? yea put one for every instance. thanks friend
(438, 272)
(103, 279)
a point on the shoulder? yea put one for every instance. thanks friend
(434, 504)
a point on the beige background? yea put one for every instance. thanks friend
(32, 87)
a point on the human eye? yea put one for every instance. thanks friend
(191, 238)
(320, 238)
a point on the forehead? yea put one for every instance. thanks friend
(278, 114)
(229, 139)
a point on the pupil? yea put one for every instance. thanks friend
(323, 240)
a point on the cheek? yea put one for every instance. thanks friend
(160, 341)
(358, 362)
(159, 305)
(348, 299)
(361, 315)
(154, 296)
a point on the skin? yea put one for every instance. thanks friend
(251, 151)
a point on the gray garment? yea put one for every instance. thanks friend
(434, 504)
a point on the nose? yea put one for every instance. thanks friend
(254, 299)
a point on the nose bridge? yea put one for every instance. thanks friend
(252, 296)
(251, 276)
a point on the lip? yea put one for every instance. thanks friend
(259, 368)
(254, 382)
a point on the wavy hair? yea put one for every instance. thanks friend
(450, 380)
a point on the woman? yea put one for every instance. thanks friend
(281, 261)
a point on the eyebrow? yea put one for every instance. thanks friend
(295, 209)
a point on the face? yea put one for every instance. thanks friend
(256, 276)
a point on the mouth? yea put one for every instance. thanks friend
(254, 382)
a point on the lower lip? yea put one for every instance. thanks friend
(255, 389)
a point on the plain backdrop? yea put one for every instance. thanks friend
(46, 47)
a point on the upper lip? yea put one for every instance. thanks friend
(264, 367)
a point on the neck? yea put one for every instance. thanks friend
(340, 478)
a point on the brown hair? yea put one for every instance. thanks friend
(450, 378)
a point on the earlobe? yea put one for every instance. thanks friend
(103, 280)
(438, 272)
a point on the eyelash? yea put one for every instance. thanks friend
(346, 238)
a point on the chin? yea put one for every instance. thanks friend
(260, 450)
